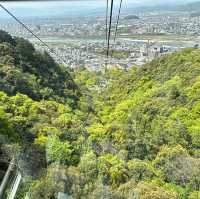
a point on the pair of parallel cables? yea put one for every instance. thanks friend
(109, 23)
(108, 28)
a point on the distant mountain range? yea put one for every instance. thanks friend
(187, 7)
(92, 8)
(191, 7)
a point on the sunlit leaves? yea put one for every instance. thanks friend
(112, 170)
(140, 170)
(151, 191)
(58, 151)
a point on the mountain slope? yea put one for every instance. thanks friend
(146, 131)
(135, 133)
(161, 98)
(27, 71)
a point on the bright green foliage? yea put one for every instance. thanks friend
(112, 170)
(6, 130)
(58, 151)
(141, 171)
(97, 131)
(25, 70)
(194, 195)
(145, 112)
(132, 134)
(46, 123)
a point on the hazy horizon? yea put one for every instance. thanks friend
(75, 7)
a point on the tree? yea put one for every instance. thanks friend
(151, 191)
(194, 195)
(140, 170)
(177, 166)
(89, 166)
(112, 170)
(5, 37)
(7, 132)
(58, 151)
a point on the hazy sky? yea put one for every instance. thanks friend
(97, 2)
(55, 8)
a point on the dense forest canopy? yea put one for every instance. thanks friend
(115, 134)
(27, 71)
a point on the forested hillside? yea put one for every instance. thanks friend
(129, 135)
(25, 70)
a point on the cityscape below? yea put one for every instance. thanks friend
(142, 36)
(100, 99)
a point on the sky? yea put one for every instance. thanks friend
(73, 7)
(99, 2)
(56, 8)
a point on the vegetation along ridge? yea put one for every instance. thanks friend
(122, 134)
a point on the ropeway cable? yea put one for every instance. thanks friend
(107, 2)
(110, 25)
(29, 30)
(116, 29)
